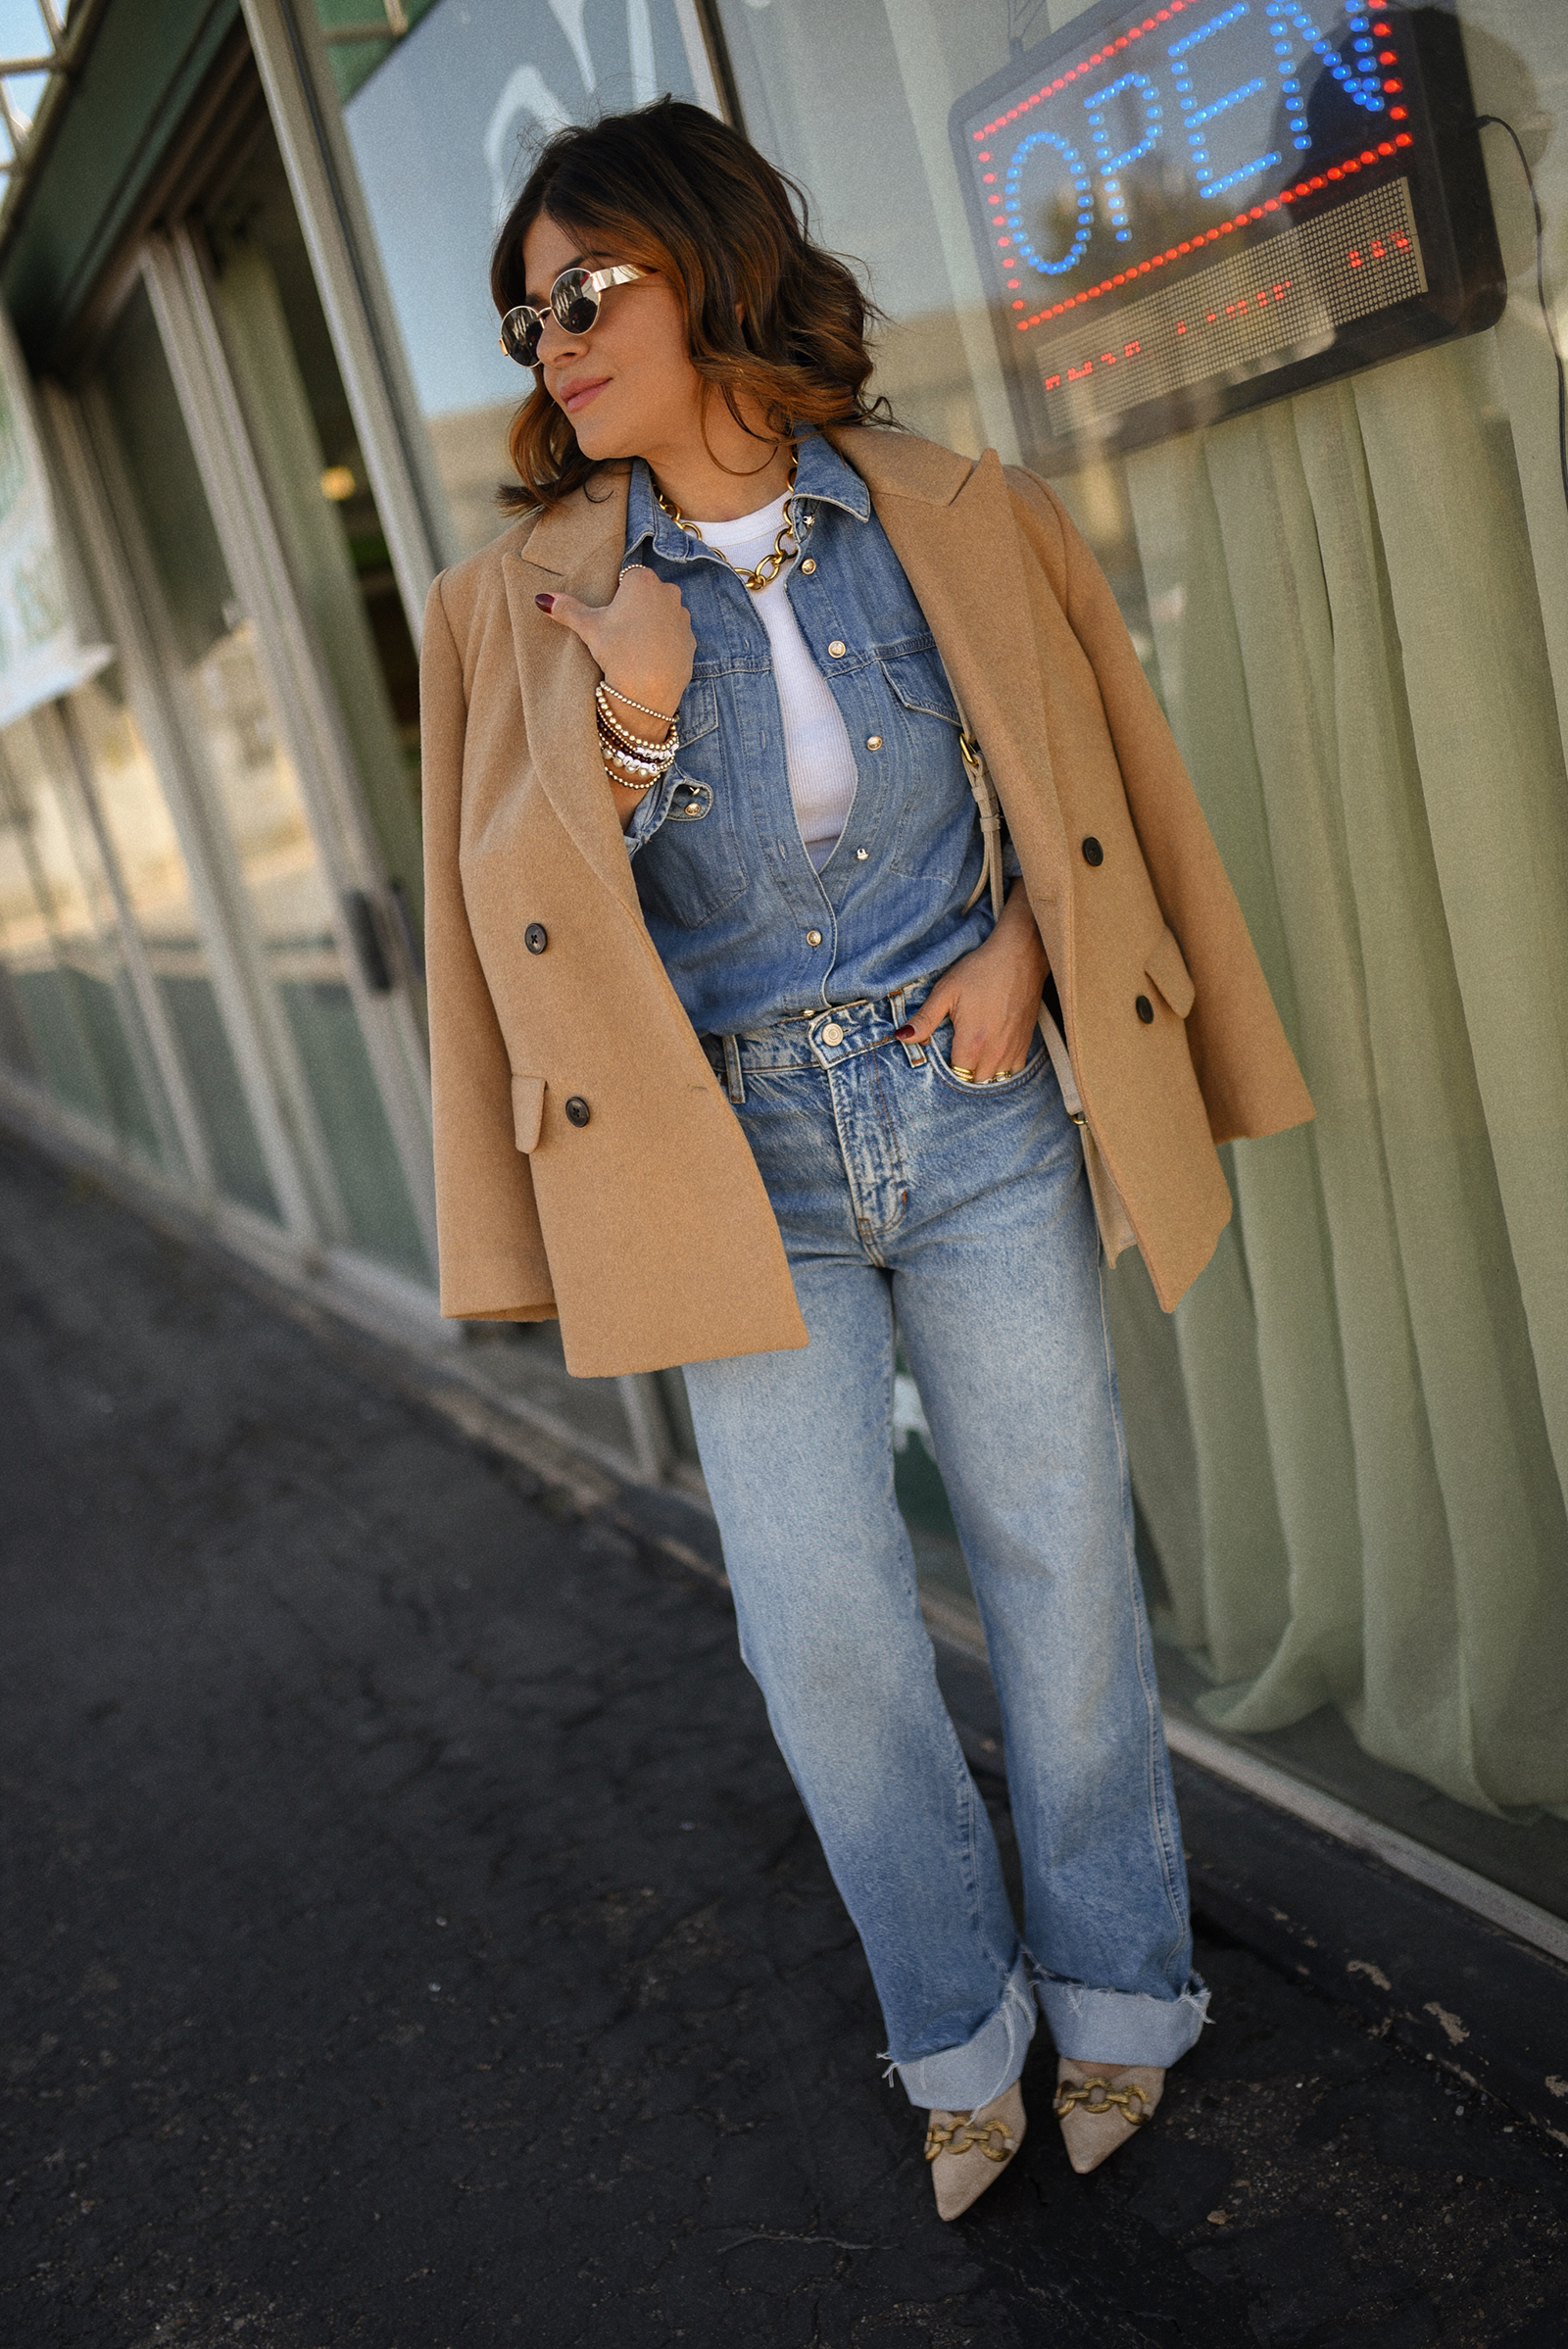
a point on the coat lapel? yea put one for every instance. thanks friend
(950, 524)
(576, 548)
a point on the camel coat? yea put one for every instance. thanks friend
(588, 1163)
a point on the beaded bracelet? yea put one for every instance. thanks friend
(663, 717)
(633, 748)
(625, 782)
(650, 762)
(610, 724)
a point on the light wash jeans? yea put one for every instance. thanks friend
(965, 1212)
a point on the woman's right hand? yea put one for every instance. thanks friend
(642, 641)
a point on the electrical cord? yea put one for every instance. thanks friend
(1483, 123)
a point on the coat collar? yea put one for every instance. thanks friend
(574, 549)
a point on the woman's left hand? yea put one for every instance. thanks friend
(992, 998)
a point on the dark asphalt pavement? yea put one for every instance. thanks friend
(412, 1940)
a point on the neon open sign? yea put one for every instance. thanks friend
(1185, 210)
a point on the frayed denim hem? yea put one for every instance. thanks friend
(1121, 2026)
(960, 2080)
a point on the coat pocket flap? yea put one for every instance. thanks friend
(527, 1109)
(1170, 973)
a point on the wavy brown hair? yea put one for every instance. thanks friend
(769, 314)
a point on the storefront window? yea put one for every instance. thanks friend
(440, 132)
(68, 975)
(156, 891)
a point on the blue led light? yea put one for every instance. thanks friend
(1013, 212)
(1096, 107)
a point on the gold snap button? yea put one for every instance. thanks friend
(809, 564)
(835, 648)
(814, 937)
(832, 1033)
(861, 856)
(873, 742)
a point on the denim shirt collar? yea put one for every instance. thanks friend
(821, 476)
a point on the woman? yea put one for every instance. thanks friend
(738, 1061)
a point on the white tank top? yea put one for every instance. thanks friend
(816, 742)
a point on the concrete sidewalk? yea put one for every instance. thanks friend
(412, 1940)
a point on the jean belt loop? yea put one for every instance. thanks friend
(915, 1054)
(733, 1079)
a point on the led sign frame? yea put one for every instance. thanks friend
(1184, 211)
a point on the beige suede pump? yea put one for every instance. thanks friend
(1100, 2105)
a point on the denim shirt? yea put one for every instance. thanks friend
(747, 930)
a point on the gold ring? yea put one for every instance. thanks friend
(966, 1074)
(999, 1077)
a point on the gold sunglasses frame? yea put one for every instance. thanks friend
(594, 281)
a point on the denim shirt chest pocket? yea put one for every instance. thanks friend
(693, 868)
(933, 823)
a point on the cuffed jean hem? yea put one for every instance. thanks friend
(1120, 2026)
(960, 2080)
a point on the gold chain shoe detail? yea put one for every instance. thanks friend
(968, 2152)
(994, 2139)
(1099, 2096)
(1100, 2106)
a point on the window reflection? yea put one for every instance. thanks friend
(156, 885)
(69, 974)
(440, 132)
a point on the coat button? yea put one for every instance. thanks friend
(814, 937)
(873, 742)
(832, 1033)
(1140, 1004)
(578, 1111)
(808, 566)
(536, 938)
(838, 648)
(1094, 854)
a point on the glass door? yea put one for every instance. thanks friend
(327, 1032)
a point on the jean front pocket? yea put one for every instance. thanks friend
(939, 1053)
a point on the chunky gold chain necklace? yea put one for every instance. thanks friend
(763, 574)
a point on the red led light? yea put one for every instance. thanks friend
(1369, 155)
(1396, 113)
(1386, 57)
(1394, 87)
(988, 176)
(1404, 140)
(1385, 146)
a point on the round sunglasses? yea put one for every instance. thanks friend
(575, 300)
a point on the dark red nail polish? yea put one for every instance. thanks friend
(545, 603)
(905, 1032)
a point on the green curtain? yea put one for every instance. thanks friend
(1350, 1442)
